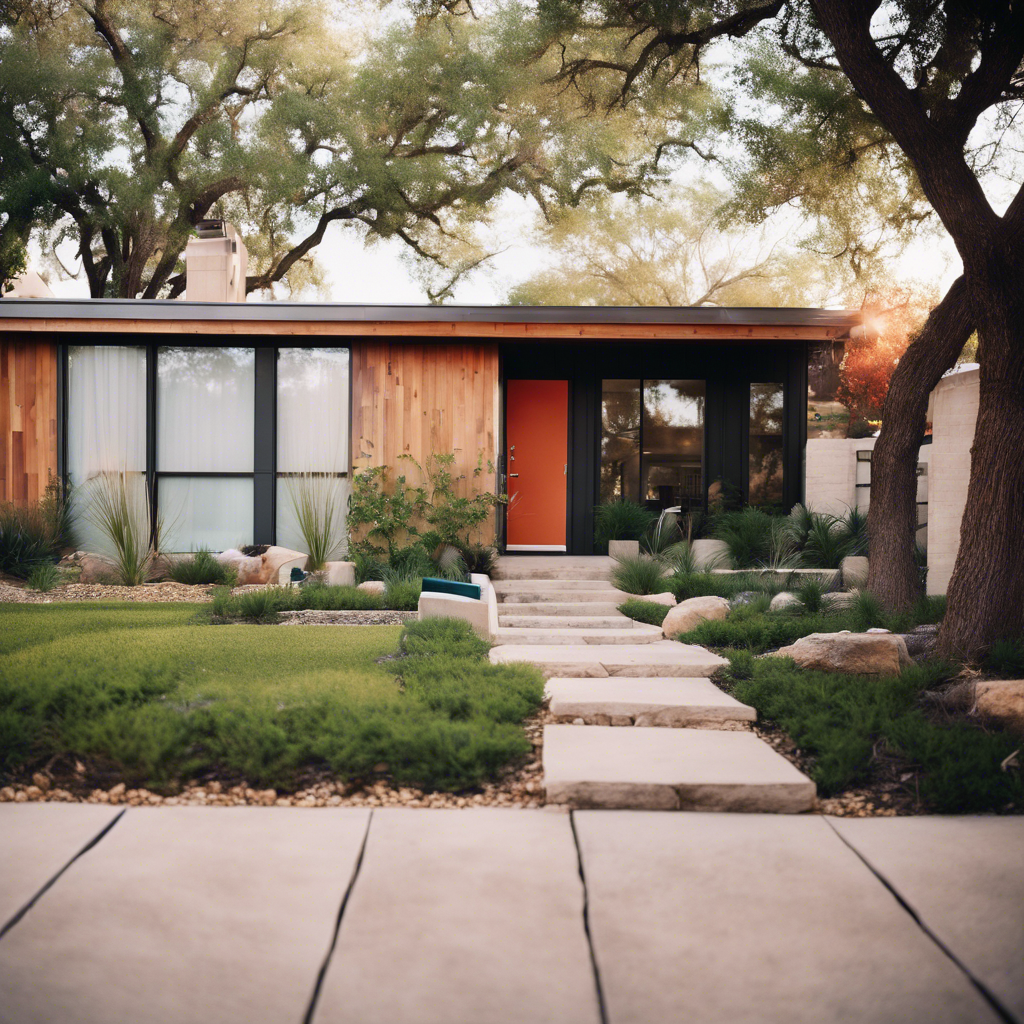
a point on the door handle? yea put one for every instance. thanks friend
(514, 474)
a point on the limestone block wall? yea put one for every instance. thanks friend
(954, 415)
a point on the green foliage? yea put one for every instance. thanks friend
(57, 507)
(382, 510)
(118, 505)
(26, 539)
(811, 593)
(452, 516)
(258, 605)
(853, 525)
(44, 577)
(621, 519)
(1006, 659)
(201, 567)
(319, 516)
(826, 545)
(263, 605)
(479, 558)
(748, 534)
(712, 584)
(644, 611)
(146, 694)
(840, 720)
(639, 574)
(401, 592)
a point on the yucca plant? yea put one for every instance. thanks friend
(318, 514)
(827, 543)
(118, 505)
(799, 523)
(480, 558)
(449, 563)
(854, 527)
(639, 574)
(663, 535)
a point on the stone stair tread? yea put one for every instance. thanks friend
(654, 700)
(661, 658)
(564, 636)
(565, 596)
(561, 608)
(512, 586)
(670, 769)
(618, 620)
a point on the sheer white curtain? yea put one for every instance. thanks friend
(205, 424)
(312, 435)
(106, 429)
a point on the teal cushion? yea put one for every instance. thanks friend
(451, 587)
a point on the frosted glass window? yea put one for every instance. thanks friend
(106, 410)
(288, 533)
(206, 512)
(205, 410)
(312, 410)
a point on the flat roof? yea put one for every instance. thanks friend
(336, 318)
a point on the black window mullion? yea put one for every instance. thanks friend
(265, 447)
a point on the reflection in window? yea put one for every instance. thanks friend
(765, 464)
(620, 439)
(673, 443)
(826, 417)
(206, 512)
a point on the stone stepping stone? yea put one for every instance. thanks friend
(463, 917)
(663, 658)
(670, 769)
(562, 621)
(570, 636)
(186, 915)
(737, 919)
(39, 840)
(666, 702)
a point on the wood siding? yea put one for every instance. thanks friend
(418, 400)
(28, 418)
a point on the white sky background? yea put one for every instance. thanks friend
(354, 272)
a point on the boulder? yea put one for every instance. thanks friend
(373, 587)
(247, 567)
(784, 601)
(686, 615)
(855, 572)
(1001, 701)
(711, 554)
(669, 600)
(340, 574)
(858, 654)
(95, 569)
(277, 564)
(921, 641)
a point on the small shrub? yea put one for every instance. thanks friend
(449, 564)
(644, 611)
(867, 612)
(26, 540)
(748, 534)
(639, 575)
(44, 577)
(401, 593)
(827, 544)
(480, 558)
(58, 510)
(621, 519)
(412, 561)
(853, 526)
(811, 593)
(258, 605)
(664, 536)
(1006, 659)
(435, 637)
(118, 505)
(319, 515)
(201, 567)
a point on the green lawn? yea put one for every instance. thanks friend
(155, 695)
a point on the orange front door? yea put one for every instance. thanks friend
(537, 439)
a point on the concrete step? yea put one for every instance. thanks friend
(638, 634)
(670, 769)
(663, 659)
(617, 621)
(560, 608)
(655, 701)
(575, 596)
(515, 586)
(553, 567)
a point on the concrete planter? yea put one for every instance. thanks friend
(624, 548)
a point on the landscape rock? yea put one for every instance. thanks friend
(340, 574)
(921, 641)
(95, 568)
(862, 654)
(278, 564)
(855, 572)
(686, 615)
(711, 554)
(1001, 701)
(41, 780)
(248, 567)
(783, 601)
(373, 587)
(669, 600)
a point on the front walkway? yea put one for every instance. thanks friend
(492, 916)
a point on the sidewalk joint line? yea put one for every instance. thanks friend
(84, 850)
(601, 1006)
(983, 990)
(322, 973)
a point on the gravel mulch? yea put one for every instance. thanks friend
(311, 617)
(80, 592)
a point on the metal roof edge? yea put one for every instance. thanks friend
(171, 310)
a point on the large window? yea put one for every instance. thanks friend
(197, 427)
(652, 442)
(205, 402)
(312, 434)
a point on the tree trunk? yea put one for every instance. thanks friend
(892, 514)
(986, 592)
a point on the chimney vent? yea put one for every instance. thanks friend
(215, 264)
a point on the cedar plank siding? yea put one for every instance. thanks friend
(415, 399)
(28, 419)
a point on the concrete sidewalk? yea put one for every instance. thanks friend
(205, 915)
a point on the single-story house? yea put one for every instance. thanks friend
(219, 403)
